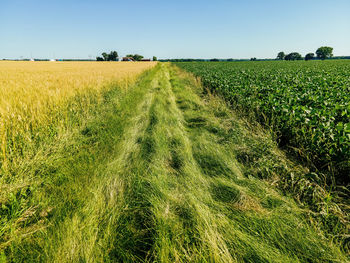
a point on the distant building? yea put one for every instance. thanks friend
(52, 60)
(128, 59)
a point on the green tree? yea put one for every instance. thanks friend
(155, 58)
(113, 56)
(281, 55)
(309, 56)
(105, 56)
(293, 56)
(136, 57)
(324, 52)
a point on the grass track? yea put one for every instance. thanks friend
(162, 174)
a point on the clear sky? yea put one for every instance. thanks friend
(172, 29)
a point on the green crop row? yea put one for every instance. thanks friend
(307, 104)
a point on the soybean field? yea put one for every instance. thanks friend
(305, 104)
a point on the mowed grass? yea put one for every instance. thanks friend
(160, 173)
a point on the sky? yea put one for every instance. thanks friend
(172, 29)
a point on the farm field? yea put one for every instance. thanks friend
(137, 162)
(306, 104)
(33, 94)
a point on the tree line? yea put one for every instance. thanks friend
(321, 53)
(113, 56)
(138, 57)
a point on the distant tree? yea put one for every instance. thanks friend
(281, 55)
(324, 52)
(230, 59)
(253, 59)
(309, 56)
(113, 56)
(155, 58)
(136, 57)
(105, 56)
(293, 56)
(214, 60)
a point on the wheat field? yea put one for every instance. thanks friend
(33, 94)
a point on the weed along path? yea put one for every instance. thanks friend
(168, 173)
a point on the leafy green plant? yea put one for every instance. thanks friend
(306, 104)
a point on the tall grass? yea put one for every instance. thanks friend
(33, 95)
(41, 105)
(152, 175)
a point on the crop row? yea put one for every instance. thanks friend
(307, 104)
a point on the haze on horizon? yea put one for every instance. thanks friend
(169, 29)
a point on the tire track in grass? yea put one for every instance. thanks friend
(175, 192)
(130, 231)
(254, 222)
(186, 228)
(91, 232)
(169, 188)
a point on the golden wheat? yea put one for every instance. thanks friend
(31, 91)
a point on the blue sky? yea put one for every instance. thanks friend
(172, 29)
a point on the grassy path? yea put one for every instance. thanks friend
(167, 174)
